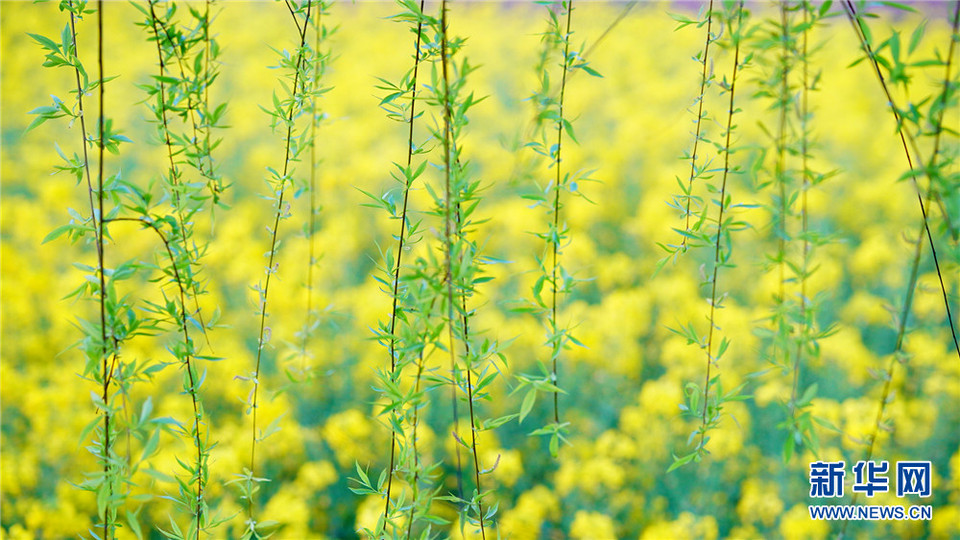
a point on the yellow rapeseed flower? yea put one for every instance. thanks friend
(592, 526)
(523, 521)
(686, 527)
(797, 525)
(759, 502)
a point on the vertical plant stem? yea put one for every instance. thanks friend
(696, 138)
(857, 23)
(177, 52)
(953, 230)
(188, 344)
(174, 170)
(465, 336)
(95, 199)
(555, 239)
(606, 31)
(473, 431)
(273, 238)
(805, 261)
(454, 239)
(191, 107)
(312, 218)
(780, 170)
(215, 187)
(86, 159)
(107, 371)
(448, 164)
(954, 36)
(401, 243)
(717, 253)
(188, 348)
(416, 452)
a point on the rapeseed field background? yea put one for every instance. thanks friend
(628, 370)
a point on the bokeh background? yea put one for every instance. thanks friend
(624, 385)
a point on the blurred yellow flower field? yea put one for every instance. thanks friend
(811, 302)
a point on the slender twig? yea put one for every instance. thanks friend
(421, 367)
(554, 238)
(416, 451)
(178, 51)
(954, 36)
(592, 48)
(780, 169)
(857, 23)
(86, 158)
(174, 170)
(623, 15)
(473, 430)
(696, 138)
(804, 265)
(401, 243)
(100, 266)
(188, 353)
(96, 216)
(206, 97)
(188, 344)
(175, 173)
(293, 13)
(448, 164)
(452, 207)
(465, 336)
(717, 252)
(312, 218)
(273, 241)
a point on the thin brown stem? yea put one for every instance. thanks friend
(95, 199)
(473, 425)
(401, 243)
(188, 348)
(717, 253)
(416, 453)
(215, 188)
(954, 36)
(696, 138)
(452, 204)
(175, 174)
(555, 238)
(107, 371)
(191, 105)
(312, 218)
(857, 23)
(448, 164)
(273, 243)
(174, 170)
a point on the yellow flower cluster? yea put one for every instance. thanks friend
(525, 519)
(687, 526)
